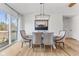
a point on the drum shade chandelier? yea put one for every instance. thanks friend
(42, 15)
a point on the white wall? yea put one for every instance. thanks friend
(55, 23)
(75, 27)
(67, 25)
(71, 25)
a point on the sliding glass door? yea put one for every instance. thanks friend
(8, 29)
(14, 29)
(4, 29)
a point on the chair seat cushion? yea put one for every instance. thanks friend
(26, 39)
(60, 41)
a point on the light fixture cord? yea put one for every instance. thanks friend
(42, 9)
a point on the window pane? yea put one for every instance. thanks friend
(4, 24)
(14, 29)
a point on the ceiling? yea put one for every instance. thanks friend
(27, 8)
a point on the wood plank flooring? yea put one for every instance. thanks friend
(71, 49)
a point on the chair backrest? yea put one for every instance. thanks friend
(37, 37)
(48, 38)
(23, 34)
(62, 35)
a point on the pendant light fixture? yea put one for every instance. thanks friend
(42, 15)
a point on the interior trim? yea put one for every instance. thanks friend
(12, 9)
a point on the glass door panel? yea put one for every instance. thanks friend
(14, 29)
(4, 29)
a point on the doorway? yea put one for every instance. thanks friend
(8, 29)
(67, 25)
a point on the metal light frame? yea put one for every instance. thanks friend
(42, 15)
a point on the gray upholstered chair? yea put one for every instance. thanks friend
(60, 38)
(48, 40)
(36, 39)
(25, 38)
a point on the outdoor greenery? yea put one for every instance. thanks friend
(3, 26)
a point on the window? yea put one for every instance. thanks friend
(8, 29)
(4, 31)
(14, 29)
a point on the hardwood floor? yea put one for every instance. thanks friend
(71, 49)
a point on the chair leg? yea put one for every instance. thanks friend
(40, 47)
(63, 44)
(22, 45)
(51, 48)
(29, 44)
(44, 48)
(56, 45)
(33, 46)
(59, 44)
